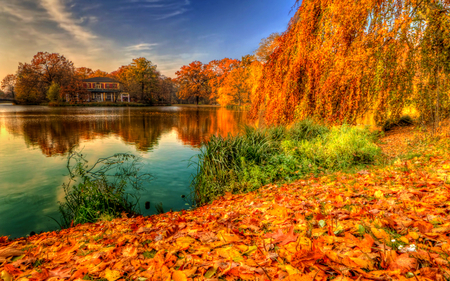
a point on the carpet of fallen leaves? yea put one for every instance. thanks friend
(383, 223)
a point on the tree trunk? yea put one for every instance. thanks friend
(197, 99)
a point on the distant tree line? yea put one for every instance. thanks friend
(227, 81)
(52, 77)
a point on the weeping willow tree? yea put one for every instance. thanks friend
(341, 60)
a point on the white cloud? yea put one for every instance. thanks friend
(141, 47)
(65, 20)
(169, 15)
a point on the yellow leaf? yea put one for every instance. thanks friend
(379, 194)
(380, 233)
(179, 276)
(413, 235)
(112, 275)
(290, 269)
(404, 239)
(6, 276)
(230, 253)
(185, 242)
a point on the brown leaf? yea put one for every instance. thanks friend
(10, 252)
(282, 238)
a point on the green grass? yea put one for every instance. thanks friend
(257, 157)
(101, 191)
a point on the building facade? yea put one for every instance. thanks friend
(105, 89)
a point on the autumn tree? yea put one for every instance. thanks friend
(193, 81)
(98, 73)
(34, 79)
(143, 72)
(8, 85)
(267, 46)
(236, 87)
(165, 90)
(83, 73)
(339, 61)
(432, 76)
(74, 91)
(217, 71)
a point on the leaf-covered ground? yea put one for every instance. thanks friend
(387, 222)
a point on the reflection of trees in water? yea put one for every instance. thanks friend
(56, 134)
(195, 127)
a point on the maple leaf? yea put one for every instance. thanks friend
(404, 263)
(11, 269)
(281, 238)
(306, 258)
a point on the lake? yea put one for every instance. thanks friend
(35, 142)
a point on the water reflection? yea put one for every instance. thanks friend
(55, 131)
(165, 138)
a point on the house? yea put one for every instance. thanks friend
(105, 89)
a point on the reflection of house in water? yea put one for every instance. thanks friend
(105, 89)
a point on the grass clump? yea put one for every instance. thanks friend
(257, 157)
(101, 191)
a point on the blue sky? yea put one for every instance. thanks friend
(105, 34)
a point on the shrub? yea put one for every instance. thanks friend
(101, 190)
(257, 157)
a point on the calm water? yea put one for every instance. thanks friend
(35, 140)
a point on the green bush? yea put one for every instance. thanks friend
(278, 154)
(102, 189)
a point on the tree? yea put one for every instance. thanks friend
(74, 91)
(144, 73)
(267, 46)
(98, 73)
(340, 61)
(218, 70)
(432, 99)
(166, 90)
(53, 92)
(193, 81)
(8, 85)
(236, 90)
(83, 73)
(34, 79)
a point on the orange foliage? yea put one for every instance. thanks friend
(341, 59)
(193, 81)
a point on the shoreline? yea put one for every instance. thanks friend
(277, 231)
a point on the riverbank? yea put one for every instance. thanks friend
(383, 222)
